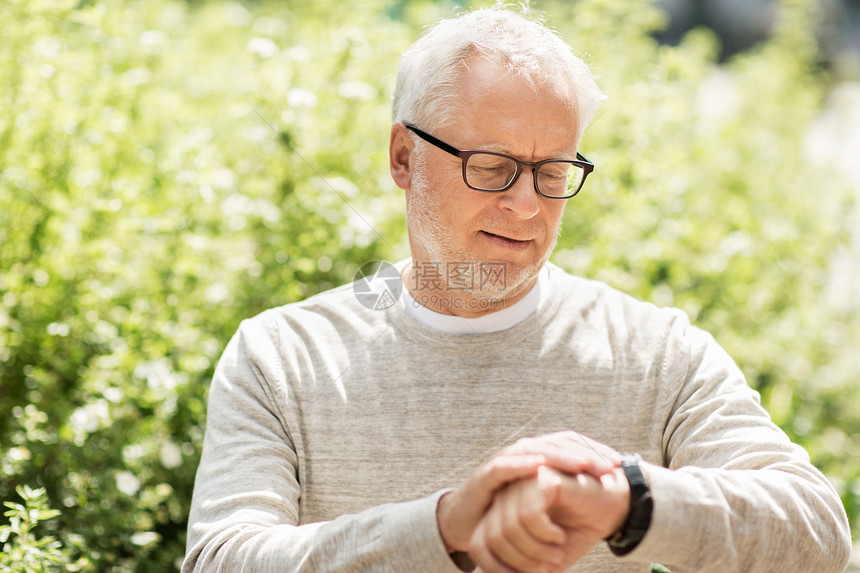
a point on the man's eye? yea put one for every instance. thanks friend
(552, 176)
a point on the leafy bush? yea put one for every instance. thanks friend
(168, 169)
(147, 209)
(23, 550)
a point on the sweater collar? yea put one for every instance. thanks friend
(496, 321)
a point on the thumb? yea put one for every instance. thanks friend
(549, 484)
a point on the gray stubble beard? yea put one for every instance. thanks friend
(426, 229)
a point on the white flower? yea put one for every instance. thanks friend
(88, 418)
(136, 77)
(297, 97)
(127, 483)
(144, 538)
(152, 41)
(263, 47)
(170, 455)
(157, 373)
(223, 178)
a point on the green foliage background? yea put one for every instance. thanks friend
(170, 168)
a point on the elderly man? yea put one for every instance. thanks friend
(480, 418)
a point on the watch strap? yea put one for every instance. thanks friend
(641, 507)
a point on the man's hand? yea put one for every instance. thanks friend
(549, 522)
(460, 511)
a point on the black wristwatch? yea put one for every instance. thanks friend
(631, 533)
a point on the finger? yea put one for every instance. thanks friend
(571, 462)
(519, 545)
(545, 534)
(488, 562)
(548, 485)
(460, 513)
(500, 471)
(569, 452)
(538, 523)
(492, 553)
(572, 438)
(506, 528)
(510, 542)
(483, 555)
(588, 506)
(569, 441)
(530, 509)
(527, 521)
(580, 443)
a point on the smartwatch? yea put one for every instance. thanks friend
(631, 533)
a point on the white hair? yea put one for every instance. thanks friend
(426, 93)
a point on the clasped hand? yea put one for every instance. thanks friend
(538, 505)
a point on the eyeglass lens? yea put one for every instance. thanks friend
(493, 172)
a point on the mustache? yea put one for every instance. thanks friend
(501, 225)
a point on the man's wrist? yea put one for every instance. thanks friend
(442, 521)
(638, 519)
(460, 558)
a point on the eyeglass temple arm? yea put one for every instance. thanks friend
(454, 151)
(432, 140)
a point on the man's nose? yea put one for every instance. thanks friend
(521, 197)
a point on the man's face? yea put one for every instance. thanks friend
(449, 222)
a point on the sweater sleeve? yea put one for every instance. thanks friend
(245, 505)
(737, 494)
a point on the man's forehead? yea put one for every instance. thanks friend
(486, 85)
(501, 111)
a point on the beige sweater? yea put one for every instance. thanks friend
(333, 430)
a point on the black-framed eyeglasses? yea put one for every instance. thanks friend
(495, 172)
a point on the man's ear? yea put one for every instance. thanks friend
(399, 153)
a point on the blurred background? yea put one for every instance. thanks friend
(170, 167)
(741, 24)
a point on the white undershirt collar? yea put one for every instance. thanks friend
(493, 322)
